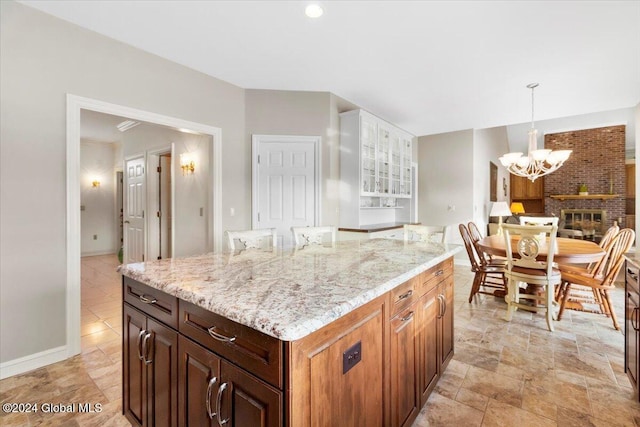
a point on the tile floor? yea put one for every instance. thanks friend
(502, 374)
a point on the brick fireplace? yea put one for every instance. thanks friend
(598, 160)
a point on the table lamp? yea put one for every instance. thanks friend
(517, 208)
(500, 209)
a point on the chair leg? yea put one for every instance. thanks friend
(549, 312)
(510, 300)
(610, 306)
(566, 290)
(475, 285)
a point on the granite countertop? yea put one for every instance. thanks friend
(292, 293)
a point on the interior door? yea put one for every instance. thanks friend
(134, 210)
(285, 196)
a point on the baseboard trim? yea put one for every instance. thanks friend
(32, 361)
(96, 253)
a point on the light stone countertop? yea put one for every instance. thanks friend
(292, 293)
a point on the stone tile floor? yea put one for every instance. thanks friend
(502, 374)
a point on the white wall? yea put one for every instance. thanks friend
(445, 180)
(99, 217)
(43, 60)
(488, 146)
(274, 112)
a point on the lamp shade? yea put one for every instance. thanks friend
(517, 208)
(500, 209)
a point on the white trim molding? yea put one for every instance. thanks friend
(32, 361)
(74, 105)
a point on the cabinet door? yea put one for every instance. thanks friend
(405, 186)
(199, 381)
(395, 164)
(429, 310)
(446, 335)
(630, 175)
(134, 387)
(382, 157)
(632, 318)
(404, 363)
(161, 359)
(518, 187)
(245, 401)
(368, 138)
(535, 190)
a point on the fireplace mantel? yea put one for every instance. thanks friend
(579, 197)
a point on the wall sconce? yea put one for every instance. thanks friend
(187, 164)
(95, 183)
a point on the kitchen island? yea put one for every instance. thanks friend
(355, 334)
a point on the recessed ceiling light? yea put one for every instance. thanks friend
(314, 11)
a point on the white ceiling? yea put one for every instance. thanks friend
(427, 66)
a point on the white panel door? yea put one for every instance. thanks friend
(286, 187)
(134, 207)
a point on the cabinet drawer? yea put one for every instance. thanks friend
(153, 302)
(254, 351)
(403, 296)
(435, 275)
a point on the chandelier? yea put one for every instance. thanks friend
(537, 162)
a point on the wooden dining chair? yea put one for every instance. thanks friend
(529, 268)
(253, 239)
(489, 277)
(425, 233)
(303, 236)
(579, 294)
(476, 236)
(600, 281)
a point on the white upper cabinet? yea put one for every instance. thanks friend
(380, 151)
(375, 170)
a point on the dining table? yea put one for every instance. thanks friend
(568, 251)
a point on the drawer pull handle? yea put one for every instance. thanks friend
(220, 337)
(407, 317)
(145, 349)
(439, 273)
(146, 300)
(634, 318)
(406, 295)
(219, 404)
(212, 381)
(139, 343)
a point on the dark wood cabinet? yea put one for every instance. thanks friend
(246, 401)
(421, 341)
(375, 365)
(429, 309)
(632, 324)
(405, 401)
(150, 369)
(215, 392)
(446, 322)
(530, 194)
(436, 333)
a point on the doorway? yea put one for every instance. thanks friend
(160, 205)
(286, 189)
(75, 105)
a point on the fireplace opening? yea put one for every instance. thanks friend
(582, 223)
